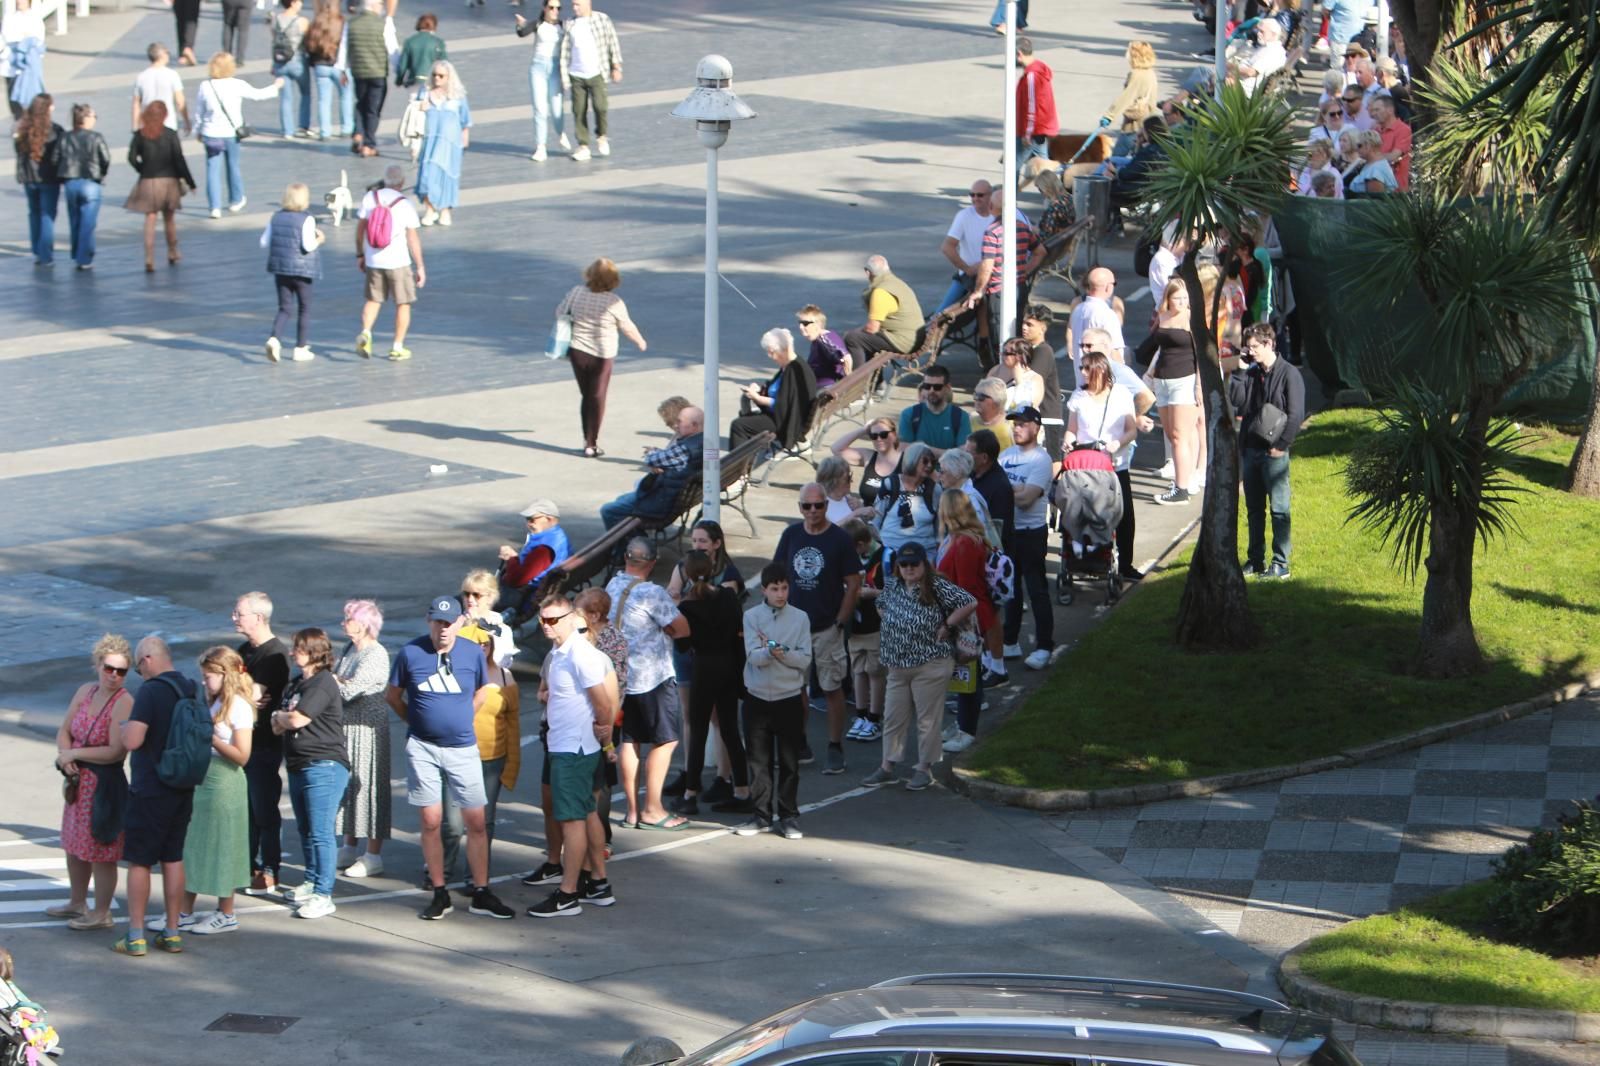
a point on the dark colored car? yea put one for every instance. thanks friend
(990, 1019)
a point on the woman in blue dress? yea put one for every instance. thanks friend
(444, 101)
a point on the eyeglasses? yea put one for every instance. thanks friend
(1333, 114)
(550, 620)
(804, 506)
(120, 671)
(881, 435)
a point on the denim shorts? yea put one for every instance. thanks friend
(1170, 391)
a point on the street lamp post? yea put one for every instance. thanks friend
(713, 106)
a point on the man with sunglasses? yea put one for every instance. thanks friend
(824, 579)
(935, 419)
(963, 243)
(1355, 108)
(1030, 471)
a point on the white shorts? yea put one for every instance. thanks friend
(1170, 391)
(429, 767)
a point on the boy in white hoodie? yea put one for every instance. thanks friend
(777, 646)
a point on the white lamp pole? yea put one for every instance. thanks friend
(713, 106)
(1224, 11)
(1008, 220)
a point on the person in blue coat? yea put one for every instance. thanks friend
(444, 101)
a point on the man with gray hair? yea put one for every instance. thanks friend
(266, 660)
(159, 81)
(389, 266)
(782, 405)
(893, 315)
(649, 621)
(668, 470)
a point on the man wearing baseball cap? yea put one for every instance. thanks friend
(434, 686)
(1029, 469)
(546, 547)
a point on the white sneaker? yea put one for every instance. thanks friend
(582, 153)
(539, 154)
(215, 922)
(1037, 659)
(565, 142)
(302, 355)
(369, 865)
(602, 145)
(236, 208)
(950, 732)
(1167, 470)
(429, 215)
(960, 742)
(299, 893)
(446, 218)
(274, 349)
(157, 922)
(349, 853)
(216, 212)
(1013, 651)
(316, 907)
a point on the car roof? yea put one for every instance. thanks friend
(1147, 1019)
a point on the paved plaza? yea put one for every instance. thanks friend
(153, 465)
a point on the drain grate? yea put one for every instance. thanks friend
(260, 1024)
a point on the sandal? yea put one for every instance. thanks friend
(626, 824)
(590, 451)
(663, 826)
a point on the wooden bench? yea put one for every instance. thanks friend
(1061, 249)
(597, 558)
(925, 352)
(735, 478)
(837, 402)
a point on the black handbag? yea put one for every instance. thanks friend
(1268, 424)
(240, 130)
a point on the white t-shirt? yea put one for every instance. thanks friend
(585, 61)
(1162, 266)
(1029, 466)
(402, 216)
(1094, 313)
(1105, 419)
(240, 716)
(573, 669)
(159, 83)
(546, 39)
(967, 228)
(16, 27)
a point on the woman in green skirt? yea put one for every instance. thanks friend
(216, 856)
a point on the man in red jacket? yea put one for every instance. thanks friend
(1036, 108)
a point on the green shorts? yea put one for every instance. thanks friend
(572, 785)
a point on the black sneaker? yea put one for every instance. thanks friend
(550, 871)
(597, 892)
(734, 805)
(1173, 497)
(486, 904)
(759, 824)
(1276, 572)
(466, 890)
(677, 786)
(556, 905)
(1252, 570)
(439, 906)
(790, 828)
(1131, 573)
(806, 758)
(721, 789)
(688, 806)
(991, 679)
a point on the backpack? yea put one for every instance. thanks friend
(1000, 573)
(916, 420)
(187, 756)
(380, 223)
(282, 50)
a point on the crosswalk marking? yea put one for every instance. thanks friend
(47, 863)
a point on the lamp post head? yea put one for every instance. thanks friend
(713, 105)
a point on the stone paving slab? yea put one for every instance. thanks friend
(40, 614)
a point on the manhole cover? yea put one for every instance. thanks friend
(262, 1024)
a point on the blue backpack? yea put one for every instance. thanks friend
(187, 756)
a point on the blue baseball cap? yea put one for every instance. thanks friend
(444, 609)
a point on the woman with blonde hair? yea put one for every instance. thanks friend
(1059, 213)
(833, 474)
(218, 120)
(962, 559)
(444, 102)
(877, 461)
(1137, 100)
(598, 315)
(89, 754)
(363, 675)
(216, 853)
(292, 240)
(1173, 375)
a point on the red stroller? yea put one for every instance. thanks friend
(1089, 502)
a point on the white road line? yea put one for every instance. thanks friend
(49, 863)
(35, 884)
(35, 840)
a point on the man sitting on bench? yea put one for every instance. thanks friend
(546, 546)
(893, 315)
(671, 468)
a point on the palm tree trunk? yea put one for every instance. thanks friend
(1583, 474)
(1447, 645)
(1214, 613)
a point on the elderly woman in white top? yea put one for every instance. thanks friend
(218, 117)
(598, 314)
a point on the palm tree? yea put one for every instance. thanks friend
(1490, 291)
(1230, 160)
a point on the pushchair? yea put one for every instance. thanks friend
(26, 1036)
(1089, 507)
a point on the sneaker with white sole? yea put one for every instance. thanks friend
(318, 906)
(539, 154)
(871, 731)
(364, 344)
(216, 212)
(546, 874)
(1167, 470)
(564, 143)
(789, 829)
(835, 763)
(1173, 497)
(438, 906)
(486, 904)
(854, 732)
(920, 780)
(215, 922)
(429, 216)
(369, 865)
(557, 904)
(236, 208)
(158, 922)
(880, 776)
(302, 354)
(1013, 651)
(1037, 659)
(602, 146)
(274, 349)
(580, 155)
(299, 893)
(960, 742)
(597, 892)
(446, 218)
(348, 853)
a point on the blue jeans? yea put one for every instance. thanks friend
(83, 211)
(315, 793)
(960, 288)
(619, 509)
(999, 16)
(1266, 484)
(222, 159)
(44, 198)
(329, 88)
(296, 75)
(544, 82)
(1031, 148)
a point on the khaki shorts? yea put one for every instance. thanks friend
(830, 658)
(864, 655)
(399, 285)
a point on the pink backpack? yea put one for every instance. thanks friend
(380, 223)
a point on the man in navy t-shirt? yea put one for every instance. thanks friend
(433, 687)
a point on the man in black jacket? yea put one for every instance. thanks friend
(1269, 401)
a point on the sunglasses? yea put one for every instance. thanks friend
(977, 195)
(823, 506)
(551, 619)
(1333, 114)
(931, 385)
(881, 435)
(806, 321)
(469, 595)
(120, 671)
(1351, 99)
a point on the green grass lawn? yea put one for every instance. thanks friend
(1432, 952)
(1127, 707)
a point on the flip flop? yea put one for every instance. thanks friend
(663, 827)
(627, 824)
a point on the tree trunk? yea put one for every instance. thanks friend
(1447, 645)
(1583, 473)
(1421, 23)
(1214, 614)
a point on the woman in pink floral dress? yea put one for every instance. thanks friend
(91, 736)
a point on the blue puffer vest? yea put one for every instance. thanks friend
(283, 248)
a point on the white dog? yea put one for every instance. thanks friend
(338, 199)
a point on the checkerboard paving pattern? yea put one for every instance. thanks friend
(1361, 840)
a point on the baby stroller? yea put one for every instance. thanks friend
(1089, 504)
(26, 1036)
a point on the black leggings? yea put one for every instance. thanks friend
(1125, 527)
(593, 375)
(235, 28)
(187, 15)
(370, 94)
(292, 290)
(715, 689)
